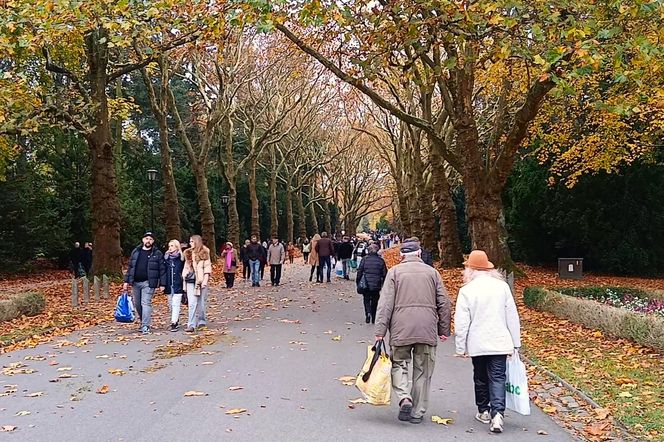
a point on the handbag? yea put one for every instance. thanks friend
(362, 285)
(375, 379)
(124, 310)
(190, 278)
(516, 387)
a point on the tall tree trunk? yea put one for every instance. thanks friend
(233, 217)
(326, 216)
(483, 202)
(312, 211)
(253, 197)
(160, 112)
(171, 205)
(289, 212)
(229, 172)
(301, 217)
(205, 207)
(274, 213)
(105, 205)
(450, 244)
(424, 209)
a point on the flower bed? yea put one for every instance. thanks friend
(584, 306)
(635, 300)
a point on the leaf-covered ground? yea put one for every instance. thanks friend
(623, 377)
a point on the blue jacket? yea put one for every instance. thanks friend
(374, 270)
(156, 267)
(172, 282)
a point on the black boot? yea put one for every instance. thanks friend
(367, 318)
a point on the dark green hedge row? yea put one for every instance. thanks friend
(614, 221)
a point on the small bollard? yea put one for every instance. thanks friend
(86, 290)
(96, 288)
(74, 293)
(106, 287)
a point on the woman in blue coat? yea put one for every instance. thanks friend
(173, 284)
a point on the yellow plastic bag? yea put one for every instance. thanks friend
(375, 379)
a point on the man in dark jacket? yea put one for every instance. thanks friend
(373, 269)
(76, 258)
(246, 269)
(253, 253)
(325, 250)
(146, 272)
(345, 253)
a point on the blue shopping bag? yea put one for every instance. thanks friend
(124, 310)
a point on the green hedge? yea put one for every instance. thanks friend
(645, 329)
(28, 304)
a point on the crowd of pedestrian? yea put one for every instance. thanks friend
(408, 303)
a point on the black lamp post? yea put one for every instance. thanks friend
(152, 177)
(224, 202)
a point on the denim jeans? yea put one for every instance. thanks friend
(345, 263)
(255, 265)
(324, 261)
(196, 306)
(489, 375)
(142, 294)
(174, 302)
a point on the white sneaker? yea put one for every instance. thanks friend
(484, 417)
(496, 423)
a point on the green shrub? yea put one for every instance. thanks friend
(29, 304)
(8, 310)
(534, 296)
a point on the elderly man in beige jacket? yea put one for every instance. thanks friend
(415, 308)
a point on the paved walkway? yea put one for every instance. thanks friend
(277, 354)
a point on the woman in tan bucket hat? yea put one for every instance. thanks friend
(487, 329)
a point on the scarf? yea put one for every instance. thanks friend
(175, 255)
(229, 258)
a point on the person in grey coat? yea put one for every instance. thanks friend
(415, 308)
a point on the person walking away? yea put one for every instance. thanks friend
(87, 258)
(313, 259)
(291, 252)
(196, 272)
(415, 308)
(253, 254)
(146, 272)
(228, 257)
(76, 258)
(345, 253)
(246, 268)
(173, 282)
(374, 270)
(324, 250)
(276, 256)
(306, 249)
(487, 329)
(427, 257)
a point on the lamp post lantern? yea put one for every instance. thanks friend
(152, 177)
